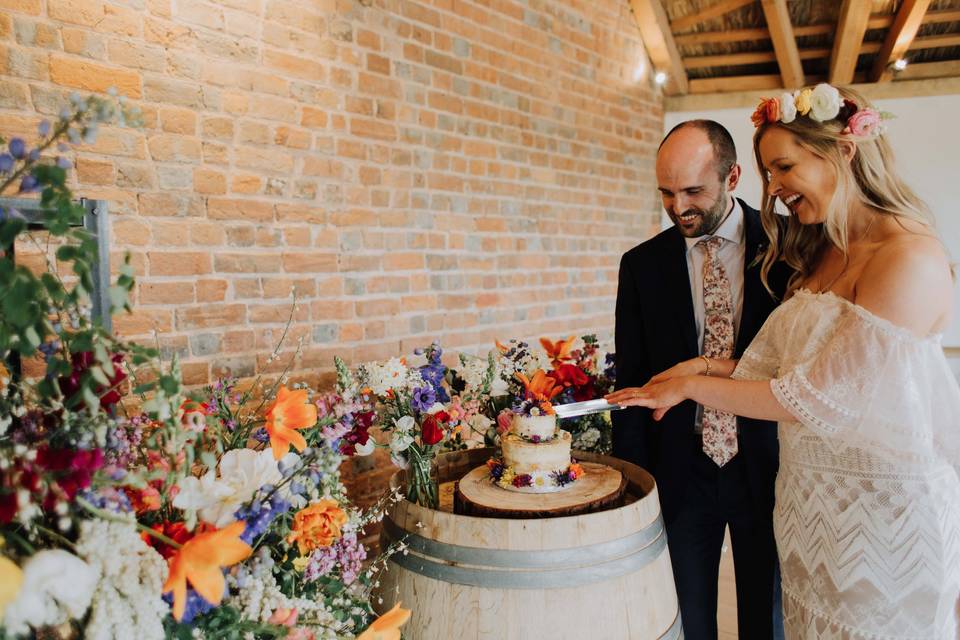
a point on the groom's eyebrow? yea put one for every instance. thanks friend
(668, 192)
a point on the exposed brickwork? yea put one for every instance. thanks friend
(460, 170)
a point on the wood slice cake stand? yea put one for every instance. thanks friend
(601, 487)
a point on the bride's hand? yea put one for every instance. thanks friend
(692, 367)
(659, 396)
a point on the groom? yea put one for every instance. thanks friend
(680, 298)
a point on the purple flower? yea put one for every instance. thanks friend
(43, 128)
(6, 162)
(260, 513)
(424, 398)
(196, 605)
(346, 552)
(18, 149)
(28, 184)
(63, 163)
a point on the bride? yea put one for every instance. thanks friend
(867, 517)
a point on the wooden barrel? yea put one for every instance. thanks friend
(603, 575)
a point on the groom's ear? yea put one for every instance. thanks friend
(733, 178)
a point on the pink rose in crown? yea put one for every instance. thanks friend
(863, 123)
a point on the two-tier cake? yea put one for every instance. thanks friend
(535, 453)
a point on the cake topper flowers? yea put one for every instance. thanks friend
(538, 392)
(821, 104)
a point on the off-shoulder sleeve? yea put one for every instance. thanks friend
(761, 360)
(875, 384)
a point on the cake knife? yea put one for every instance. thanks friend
(574, 409)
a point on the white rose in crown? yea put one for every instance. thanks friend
(825, 102)
(788, 108)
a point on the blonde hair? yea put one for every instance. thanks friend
(869, 178)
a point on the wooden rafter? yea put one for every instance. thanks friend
(762, 33)
(713, 11)
(784, 42)
(738, 83)
(948, 68)
(899, 37)
(851, 27)
(657, 37)
(760, 57)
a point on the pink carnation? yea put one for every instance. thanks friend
(863, 123)
(504, 420)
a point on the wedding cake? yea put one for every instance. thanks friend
(535, 454)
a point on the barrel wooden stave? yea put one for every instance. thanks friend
(639, 604)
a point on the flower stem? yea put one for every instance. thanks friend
(113, 517)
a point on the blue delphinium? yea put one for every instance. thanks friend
(434, 371)
(195, 606)
(260, 512)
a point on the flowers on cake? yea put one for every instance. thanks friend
(538, 391)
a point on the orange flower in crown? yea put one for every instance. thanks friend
(291, 411)
(540, 389)
(201, 561)
(387, 626)
(317, 526)
(558, 351)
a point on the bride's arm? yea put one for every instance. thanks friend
(701, 365)
(747, 398)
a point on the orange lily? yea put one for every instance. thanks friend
(558, 351)
(387, 626)
(201, 560)
(502, 348)
(289, 412)
(541, 388)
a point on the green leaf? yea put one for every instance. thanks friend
(99, 376)
(32, 337)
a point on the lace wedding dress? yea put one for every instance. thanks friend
(867, 516)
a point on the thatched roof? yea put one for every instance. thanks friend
(735, 45)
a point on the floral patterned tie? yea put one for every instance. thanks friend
(719, 428)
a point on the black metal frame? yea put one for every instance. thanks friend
(95, 223)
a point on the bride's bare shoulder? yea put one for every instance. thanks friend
(908, 280)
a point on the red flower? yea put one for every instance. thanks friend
(432, 432)
(176, 531)
(569, 376)
(81, 362)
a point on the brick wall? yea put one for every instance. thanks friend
(459, 170)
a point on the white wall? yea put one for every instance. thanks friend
(926, 139)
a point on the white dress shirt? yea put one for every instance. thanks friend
(731, 255)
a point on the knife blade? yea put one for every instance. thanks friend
(574, 409)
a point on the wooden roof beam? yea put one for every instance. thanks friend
(851, 27)
(899, 37)
(784, 42)
(651, 19)
(713, 11)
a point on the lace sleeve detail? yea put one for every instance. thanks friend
(761, 360)
(873, 383)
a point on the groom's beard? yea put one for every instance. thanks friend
(705, 221)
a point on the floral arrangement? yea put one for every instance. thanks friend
(578, 370)
(424, 408)
(505, 476)
(185, 518)
(822, 103)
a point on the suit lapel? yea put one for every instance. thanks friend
(754, 292)
(677, 285)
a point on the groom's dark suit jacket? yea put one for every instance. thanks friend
(655, 329)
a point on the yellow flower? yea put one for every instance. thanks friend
(387, 626)
(290, 412)
(317, 526)
(803, 101)
(300, 563)
(11, 577)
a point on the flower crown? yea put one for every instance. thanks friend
(822, 103)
